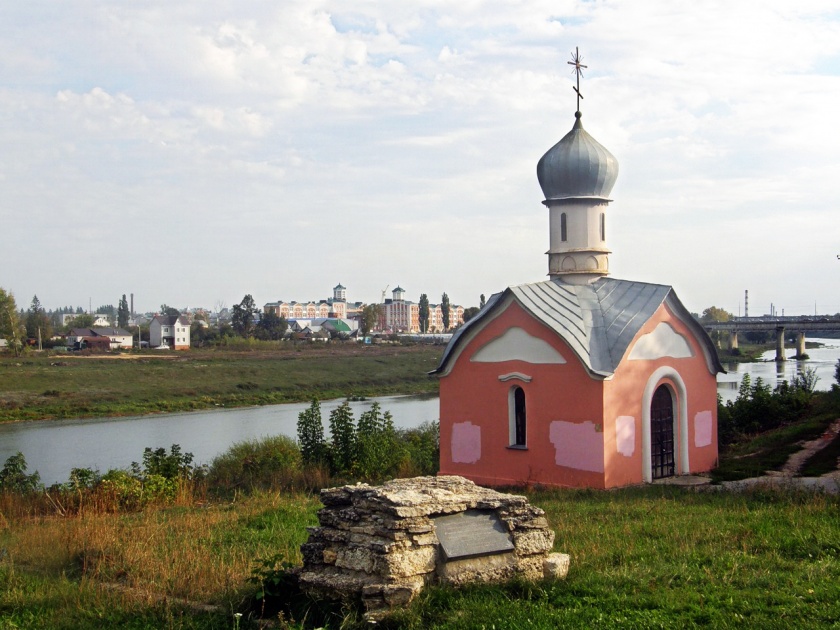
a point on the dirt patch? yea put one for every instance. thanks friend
(796, 461)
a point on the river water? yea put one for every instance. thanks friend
(53, 447)
(822, 359)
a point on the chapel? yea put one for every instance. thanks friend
(582, 379)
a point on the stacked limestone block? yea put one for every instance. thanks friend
(379, 543)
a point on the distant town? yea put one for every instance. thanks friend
(333, 318)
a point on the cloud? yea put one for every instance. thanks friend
(409, 133)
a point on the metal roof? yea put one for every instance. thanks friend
(598, 321)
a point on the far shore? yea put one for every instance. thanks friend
(45, 386)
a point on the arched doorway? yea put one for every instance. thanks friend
(662, 461)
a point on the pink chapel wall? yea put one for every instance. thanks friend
(474, 414)
(582, 432)
(624, 405)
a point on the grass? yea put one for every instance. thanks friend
(667, 558)
(157, 564)
(43, 386)
(641, 557)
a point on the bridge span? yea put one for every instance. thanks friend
(779, 325)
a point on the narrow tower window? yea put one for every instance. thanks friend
(603, 228)
(517, 418)
(563, 227)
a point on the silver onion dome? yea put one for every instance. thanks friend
(577, 166)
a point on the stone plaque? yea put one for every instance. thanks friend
(472, 533)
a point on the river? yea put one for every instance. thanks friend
(822, 359)
(53, 447)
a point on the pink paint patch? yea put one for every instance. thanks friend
(703, 429)
(577, 445)
(466, 443)
(625, 435)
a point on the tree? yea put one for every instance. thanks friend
(444, 311)
(271, 327)
(470, 312)
(243, 316)
(11, 328)
(38, 325)
(343, 431)
(169, 311)
(310, 432)
(424, 313)
(83, 320)
(370, 318)
(123, 314)
(715, 314)
(481, 302)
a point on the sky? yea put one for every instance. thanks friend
(193, 152)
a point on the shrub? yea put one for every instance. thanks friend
(270, 462)
(343, 447)
(758, 408)
(421, 454)
(378, 452)
(13, 476)
(310, 432)
(172, 465)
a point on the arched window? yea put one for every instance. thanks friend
(563, 227)
(603, 228)
(518, 420)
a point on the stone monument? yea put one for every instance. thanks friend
(382, 544)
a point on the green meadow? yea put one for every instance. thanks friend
(652, 557)
(44, 386)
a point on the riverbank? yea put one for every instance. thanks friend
(45, 386)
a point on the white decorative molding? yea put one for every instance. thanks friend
(663, 342)
(517, 345)
(515, 375)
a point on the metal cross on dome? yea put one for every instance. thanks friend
(576, 62)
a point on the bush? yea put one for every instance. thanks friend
(758, 408)
(421, 454)
(172, 465)
(377, 452)
(343, 454)
(270, 462)
(13, 476)
(310, 432)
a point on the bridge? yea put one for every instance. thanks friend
(799, 324)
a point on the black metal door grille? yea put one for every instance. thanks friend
(662, 434)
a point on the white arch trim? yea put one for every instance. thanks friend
(680, 422)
